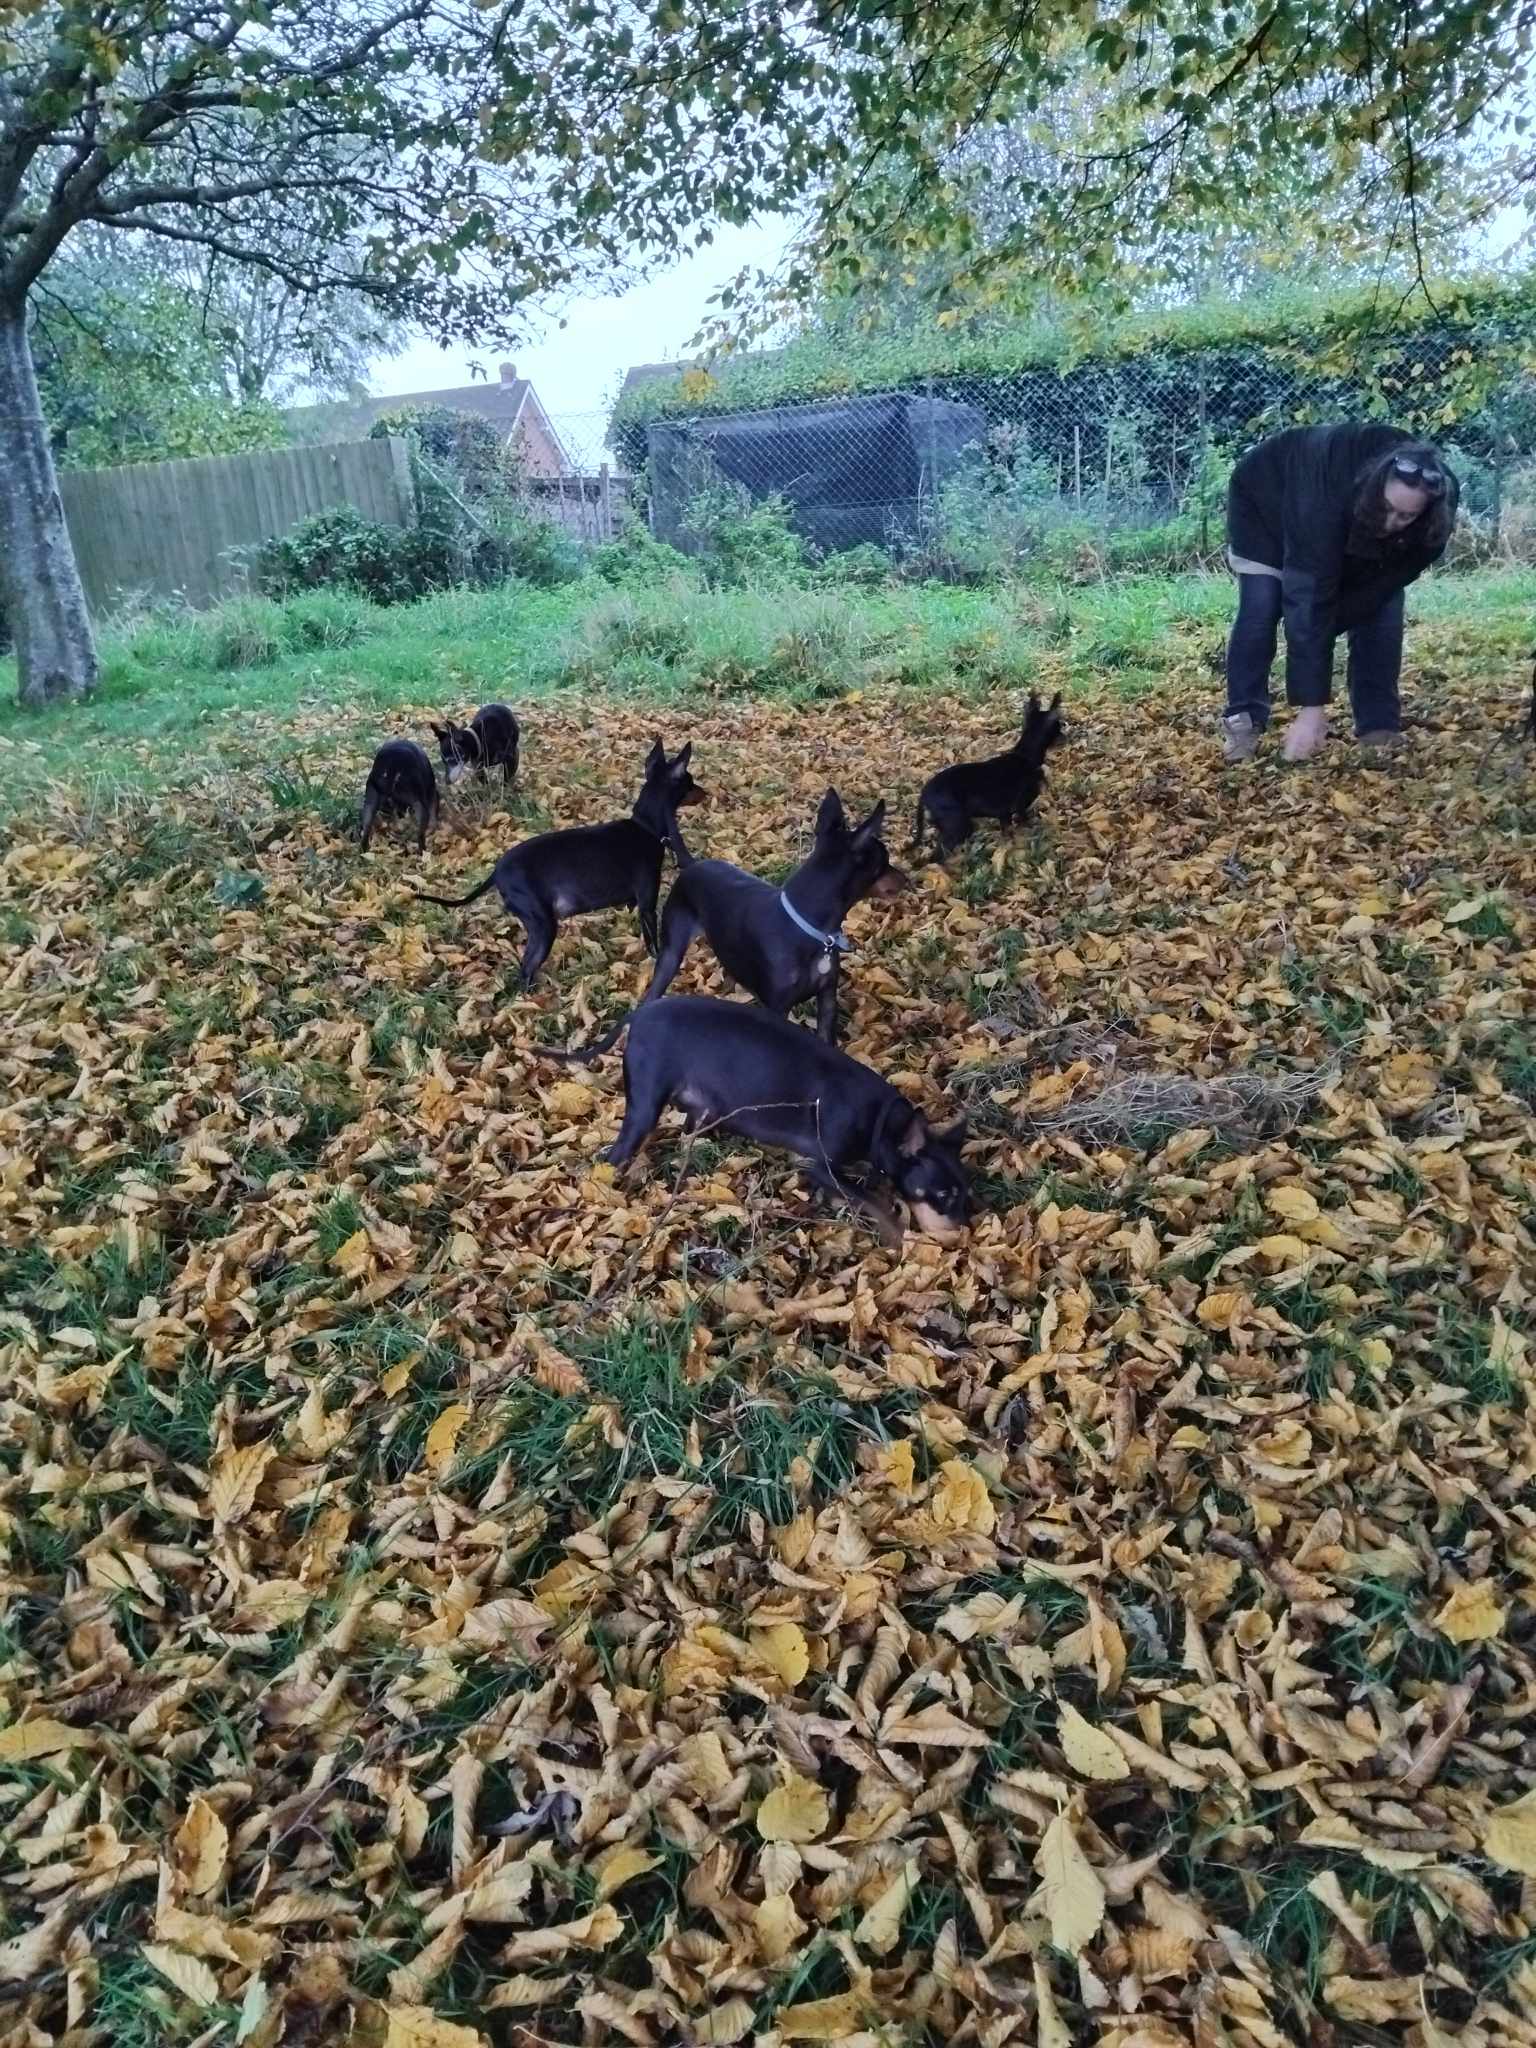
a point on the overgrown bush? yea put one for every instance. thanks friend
(634, 555)
(534, 550)
(465, 448)
(864, 567)
(343, 550)
(741, 540)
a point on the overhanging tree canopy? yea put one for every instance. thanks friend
(449, 161)
(331, 145)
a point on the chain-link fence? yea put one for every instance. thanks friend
(1122, 460)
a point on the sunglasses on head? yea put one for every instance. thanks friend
(1412, 471)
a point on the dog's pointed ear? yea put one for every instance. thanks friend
(1055, 703)
(442, 731)
(656, 758)
(869, 828)
(915, 1136)
(831, 816)
(681, 758)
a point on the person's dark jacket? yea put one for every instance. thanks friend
(1303, 502)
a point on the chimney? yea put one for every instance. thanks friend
(509, 373)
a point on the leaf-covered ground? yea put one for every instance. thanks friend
(453, 1596)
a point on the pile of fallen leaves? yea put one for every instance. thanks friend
(452, 1595)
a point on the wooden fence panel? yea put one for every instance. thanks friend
(189, 529)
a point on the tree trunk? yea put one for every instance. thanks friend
(55, 652)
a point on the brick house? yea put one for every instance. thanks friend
(510, 403)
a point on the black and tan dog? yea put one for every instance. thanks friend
(400, 780)
(1004, 787)
(488, 741)
(590, 867)
(784, 944)
(736, 1067)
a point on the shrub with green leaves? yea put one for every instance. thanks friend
(344, 550)
(740, 540)
(634, 555)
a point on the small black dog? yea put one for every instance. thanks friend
(488, 741)
(590, 867)
(400, 780)
(735, 1067)
(785, 945)
(1004, 787)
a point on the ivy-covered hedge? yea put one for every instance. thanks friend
(1215, 372)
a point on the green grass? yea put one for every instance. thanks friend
(211, 690)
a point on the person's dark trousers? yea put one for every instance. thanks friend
(1375, 665)
(1251, 648)
(1375, 658)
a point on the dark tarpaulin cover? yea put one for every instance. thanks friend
(856, 470)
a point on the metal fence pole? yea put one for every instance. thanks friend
(1202, 459)
(933, 467)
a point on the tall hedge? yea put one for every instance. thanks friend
(1220, 371)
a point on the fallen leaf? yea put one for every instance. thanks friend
(795, 1811)
(1472, 1614)
(1070, 1892)
(1090, 1752)
(190, 1976)
(417, 2026)
(201, 1848)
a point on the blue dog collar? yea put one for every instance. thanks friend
(833, 942)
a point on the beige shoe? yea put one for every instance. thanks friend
(1309, 731)
(1242, 737)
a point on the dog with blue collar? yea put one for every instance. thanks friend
(783, 944)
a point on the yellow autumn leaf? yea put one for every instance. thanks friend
(1071, 1894)
(1509, 1835)
(597, 1929)
(1472, 1614)
(25, 1740)
(795, 1811)
(200, 1848)
(822, 2019)
(417, 2026)
(1293, 1202)
(570, 1099)
(960, 1500)
(784, 1649)
(1376, 1352)
(1220, 1310)
(237, 1477)
(880, 1928)
(778, 1927)
(620, 1867)
(353, 1259)
(1090, 1752)
(189, 1974)
(896, 1466)
(443, 1437)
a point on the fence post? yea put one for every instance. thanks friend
(1203, 471)
(605, 503)
(933, 467)
(400, 467)
(1498, 488)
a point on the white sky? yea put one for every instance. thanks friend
(576, 367)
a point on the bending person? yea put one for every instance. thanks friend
(1327, 527)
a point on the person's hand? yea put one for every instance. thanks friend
(1309, 729)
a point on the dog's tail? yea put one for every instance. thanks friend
(918, 823)
(581, 1055)
(457, 902)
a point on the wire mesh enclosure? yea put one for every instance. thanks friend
(975, 474)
